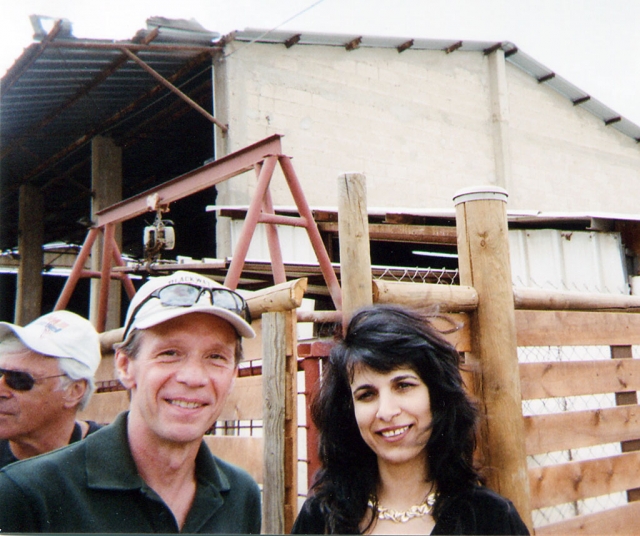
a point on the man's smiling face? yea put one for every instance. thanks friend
(181, 376)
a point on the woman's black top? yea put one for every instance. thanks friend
(478, 511)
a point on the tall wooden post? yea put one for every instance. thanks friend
(280, 425)
(106, 183)
(355, 254)
(483, 253)
(30, 239)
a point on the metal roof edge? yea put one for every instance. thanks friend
(513, 214)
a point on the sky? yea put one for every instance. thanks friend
(593, 44)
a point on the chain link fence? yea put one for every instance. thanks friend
(545, 406)
(437, 276)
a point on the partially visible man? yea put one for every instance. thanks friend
(150, 470)
(46, 377)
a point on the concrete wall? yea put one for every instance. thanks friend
(419, 125)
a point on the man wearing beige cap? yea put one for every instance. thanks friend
(46, 376)
(150, 470)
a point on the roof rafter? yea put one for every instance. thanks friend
(82, 92)
(102, 127)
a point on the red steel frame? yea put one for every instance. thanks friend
(261, 156)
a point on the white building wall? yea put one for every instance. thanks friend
(419, 125)
(563, 157)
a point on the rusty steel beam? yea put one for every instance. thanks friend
(312, 230)
(244, 241)
(192, 182)
(174, 89)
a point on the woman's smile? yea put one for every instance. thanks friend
(393, 412)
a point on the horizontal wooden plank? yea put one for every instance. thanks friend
(576, 328)
(448, 298)
(245, 401)
(577, 429)
(573, 481)
(574, 378)
(619, 520)
(554, 300)
(103, 407)
(245, 452)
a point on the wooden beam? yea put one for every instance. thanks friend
(578, 429)
(575, 378)
(392, 232)
(355, 256)
(483, 249)
(620, 520)
(291, 423)
(576, 328)
(546, 300)
(447, 298)
(28, 305)
(569, 482)
(282, 297)
(624, 397)
(274, 376)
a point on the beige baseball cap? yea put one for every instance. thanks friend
(59, 334)
(163, 298)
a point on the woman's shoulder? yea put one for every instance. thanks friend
(310, 519)
(481, 510)
(486, 497)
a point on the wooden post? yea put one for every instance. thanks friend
(355, 255)
(273, 386)
(30, 240)
(279, 369)
(106, 183)
(484, 263)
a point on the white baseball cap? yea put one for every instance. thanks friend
(59, 334)
(155, 302)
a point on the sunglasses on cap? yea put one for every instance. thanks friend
(20, 380)
(187, 295)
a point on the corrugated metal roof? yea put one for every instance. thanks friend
(63, 91)
(512, 54)
(54, 93)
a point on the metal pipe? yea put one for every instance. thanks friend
(240, 253)
(76, 271)
(174, 89)
(312, 230)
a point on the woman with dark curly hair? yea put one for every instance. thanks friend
(397, 435)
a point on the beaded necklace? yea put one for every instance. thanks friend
(417, 510)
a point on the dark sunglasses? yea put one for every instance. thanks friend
(21, 380)
(187, 295)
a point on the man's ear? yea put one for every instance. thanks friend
(74, 393)
(124, 369)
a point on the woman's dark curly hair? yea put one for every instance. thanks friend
(385, 338)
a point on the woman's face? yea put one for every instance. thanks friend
(393, 412)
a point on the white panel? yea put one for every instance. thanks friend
(568, 260)
(294, 243)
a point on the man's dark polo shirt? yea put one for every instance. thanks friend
(94, 486)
